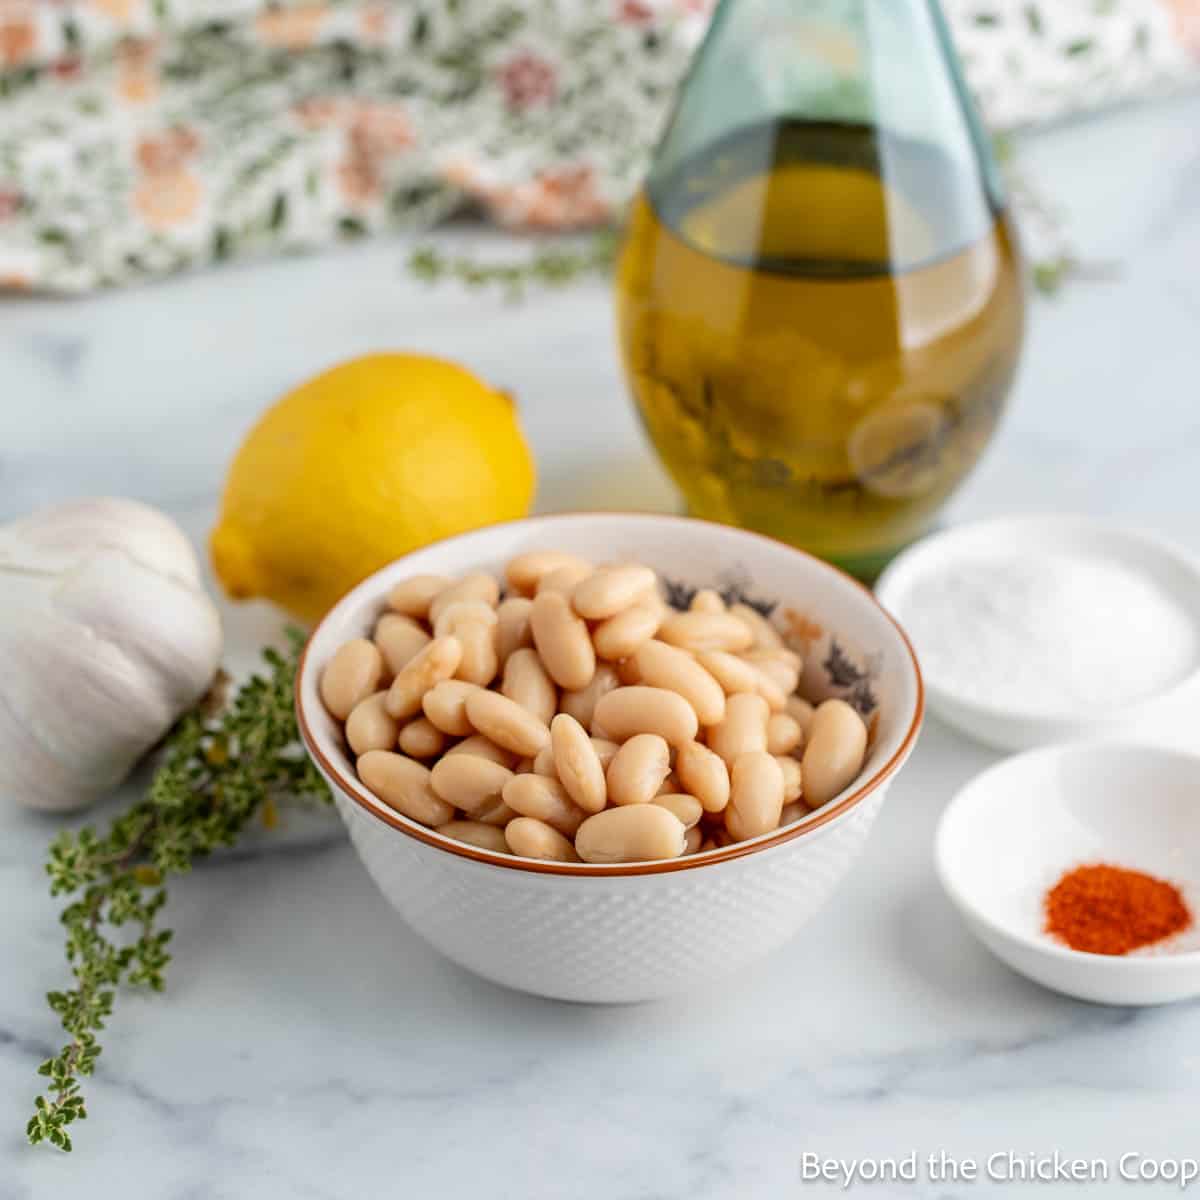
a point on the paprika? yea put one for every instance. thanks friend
(1103, 909)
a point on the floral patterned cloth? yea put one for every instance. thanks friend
(140, 137)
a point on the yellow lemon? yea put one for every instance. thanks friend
(360, 465)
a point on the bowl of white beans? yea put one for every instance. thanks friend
(608, 757)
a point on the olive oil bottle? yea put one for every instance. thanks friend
(820, 309)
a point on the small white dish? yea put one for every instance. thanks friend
(1168, 717)
(1016, 828)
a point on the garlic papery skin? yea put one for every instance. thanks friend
(106, 637)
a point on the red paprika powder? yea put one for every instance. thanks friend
(1109, 910)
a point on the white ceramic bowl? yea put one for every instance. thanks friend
(637, 931)
(1013, 831)
(1168, 717)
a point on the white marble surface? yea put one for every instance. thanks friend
(309, 1046)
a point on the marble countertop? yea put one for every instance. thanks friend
(309, 1046)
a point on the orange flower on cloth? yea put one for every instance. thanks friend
(168, 192)
(137, 72)
(1187, 23)
(527, 80)
(18, 33)
(635, 12)
(376, 133)
(291, 28)
(375, 22)
(564, 197)
(10, 204)
(318, 112)
(118, 11)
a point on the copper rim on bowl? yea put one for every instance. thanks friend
(354, 789)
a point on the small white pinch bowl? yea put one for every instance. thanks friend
(631, 932)
(1168, 717)
(1016, 828)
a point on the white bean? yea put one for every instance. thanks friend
(837, 746)
(400, 639)
(512, 628)
(706, 631)
(638, 769)
(421, 739)
(628, 673)
(693, 839)
(476, 833)
(476, 586)
(413, 596)
(635, 833)
(467, 621)
(562, 641)
(736, 675)
(780, 666)
(630, 710)
(793, 778)
(704, 774)
(368, 727)
(563, 579)
(464, 612)
(546, 799)
(783, 734)
(483, 747)
(530, 838)
(350, 676)
(526, 682)
(620, 636)
(755, 796)
(404, 785)
(766, 636)
(438, 661)
(576, 763)
(525, 572)
(795, 811)
(669, 786)
(611, 590)
(801, 712)
(506, 722)
(582, 704)
(744, 728)
(686, 809)
(445, 704)
(495, 812)
(706, 600)
(468, 782)
(605, 750)
(669, 667)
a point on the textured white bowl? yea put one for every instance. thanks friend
(636, 931)
(1013, 831)
(1167, 718)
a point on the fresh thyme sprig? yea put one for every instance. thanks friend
(219, 769)
(553, 265)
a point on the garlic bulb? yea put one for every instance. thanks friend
(106, 637)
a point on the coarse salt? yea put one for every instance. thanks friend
(1052, 633)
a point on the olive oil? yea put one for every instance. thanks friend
(820, 322)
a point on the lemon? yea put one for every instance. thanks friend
(360, 465)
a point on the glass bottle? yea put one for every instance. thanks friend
(819, 292)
